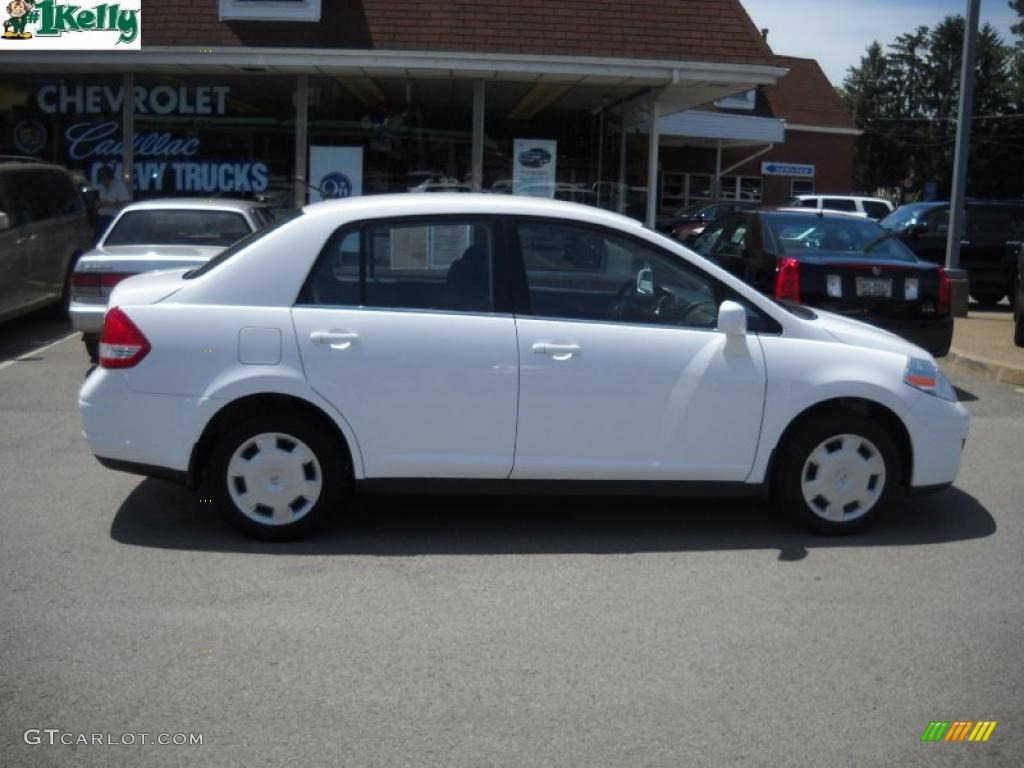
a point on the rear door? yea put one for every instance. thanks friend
(401, 328)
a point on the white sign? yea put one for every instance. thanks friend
(533, 167)
(335, 172)
(49, 25)
(773, 168)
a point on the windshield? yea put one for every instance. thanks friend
(227, 253)
(802, 235)
(903, 217)
(177, 226)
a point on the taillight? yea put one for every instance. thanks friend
(93, 282)
(787, 281)
(945, 301)
(122, 344)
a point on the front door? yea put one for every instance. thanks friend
(623, 375)
(398, 328)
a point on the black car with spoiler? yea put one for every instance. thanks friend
(836, 262)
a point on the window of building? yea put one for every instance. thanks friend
(802, 187)
(270, 10)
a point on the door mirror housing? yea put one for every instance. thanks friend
(5, 221)
(732, 319)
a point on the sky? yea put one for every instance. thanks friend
(837, 32)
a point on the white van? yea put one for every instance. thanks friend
(873, 207)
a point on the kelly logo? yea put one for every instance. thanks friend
(958, 730)
(53, 25)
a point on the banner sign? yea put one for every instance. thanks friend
(48, 25)
(335, 172)
(772, 168)
(533, 167)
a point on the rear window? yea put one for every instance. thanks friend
(797, 235)
(178, 227)
(839, 204)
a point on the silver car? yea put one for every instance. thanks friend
(44, 227)
(153, 235)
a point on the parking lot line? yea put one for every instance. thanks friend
(31, 353)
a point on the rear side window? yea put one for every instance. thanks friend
(839, 204)
(64, 198)
(875, 209)
(29, 195)
(811, 202)
(444, 265)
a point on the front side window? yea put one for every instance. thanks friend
(585, 273)
(445, 265)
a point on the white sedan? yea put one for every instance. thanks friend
(499, 344)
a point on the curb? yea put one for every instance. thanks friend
(990, 369)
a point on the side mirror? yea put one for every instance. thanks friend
(645, 282)
(732, 319)
(5, 221)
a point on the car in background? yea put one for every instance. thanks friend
(503, 344)
(992, 230)
(841, 263)
(535, 157)
(151, 235)
(686, 223)
(44, 228)
(875, 208)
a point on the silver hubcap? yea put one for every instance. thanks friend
(843, 478)
(274, 478)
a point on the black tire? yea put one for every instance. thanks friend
(92, 346)
(61, 310)
(868, 438)
(987, 297)
(331, 469)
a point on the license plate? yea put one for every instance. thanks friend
(874, 286)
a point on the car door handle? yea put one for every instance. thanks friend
(334, 339)
(557, 349)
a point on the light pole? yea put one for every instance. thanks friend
(958, 278)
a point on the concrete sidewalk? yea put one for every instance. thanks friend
(983, 344)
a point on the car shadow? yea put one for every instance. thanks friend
(21, 336)
(167, 516)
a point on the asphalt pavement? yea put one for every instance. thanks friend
(495, 632)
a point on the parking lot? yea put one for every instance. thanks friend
(513, 632)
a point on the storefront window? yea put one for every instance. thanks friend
(376, 135)
(218, 136)
(70, 121)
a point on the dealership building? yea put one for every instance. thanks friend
(640, 107)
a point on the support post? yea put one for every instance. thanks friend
(301, 139)
(652, 161)
(479, 101)
(128, 135)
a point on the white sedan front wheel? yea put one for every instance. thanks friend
(837, 473)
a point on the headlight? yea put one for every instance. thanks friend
(925, 375)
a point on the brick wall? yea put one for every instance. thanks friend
(831, 154)
(696, 30)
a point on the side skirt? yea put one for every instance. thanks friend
(458, 487)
